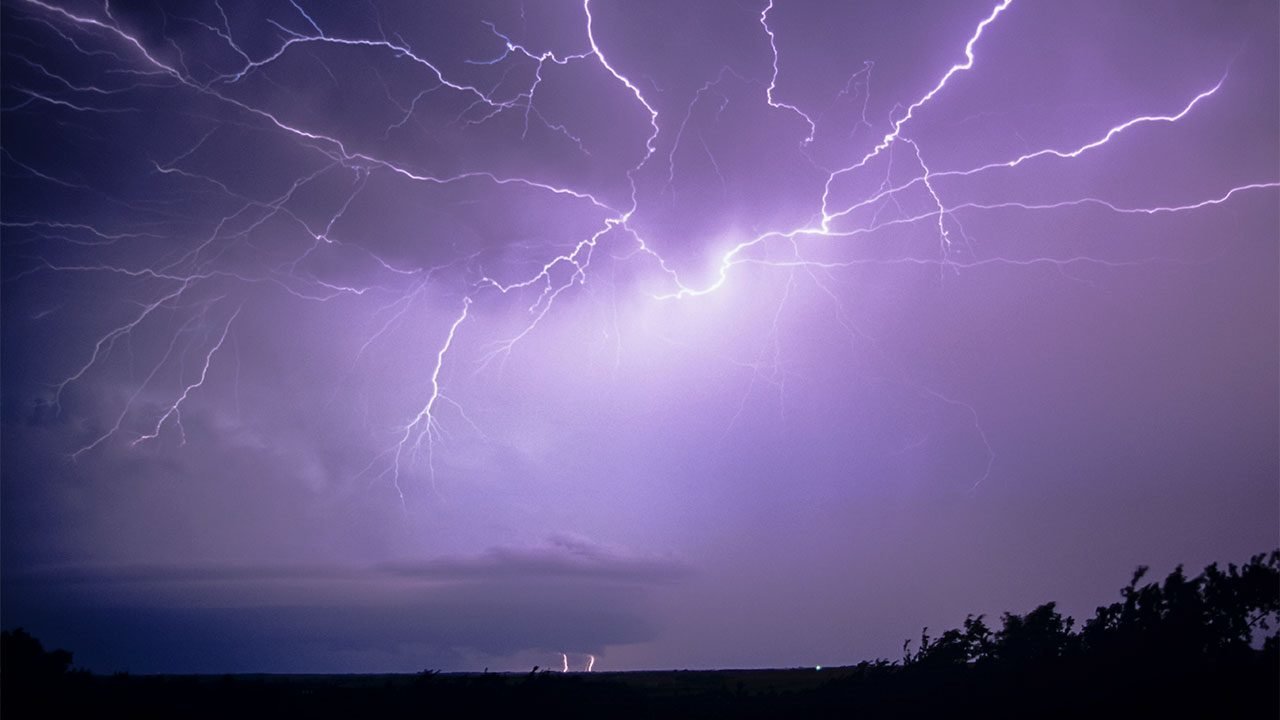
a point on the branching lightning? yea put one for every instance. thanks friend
(199, 276)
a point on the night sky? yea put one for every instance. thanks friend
(365, 336)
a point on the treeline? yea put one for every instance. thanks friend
(1205, 646)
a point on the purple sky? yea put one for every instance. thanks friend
(380, 336)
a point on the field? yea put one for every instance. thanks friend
(867, 690)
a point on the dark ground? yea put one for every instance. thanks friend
(1250, 690)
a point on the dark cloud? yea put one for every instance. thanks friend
(490, 623)
(565, 558)
(560, 558)
(566, 596)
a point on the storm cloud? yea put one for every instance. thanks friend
(391, 335)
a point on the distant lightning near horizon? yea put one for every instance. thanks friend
(589, 667)
(210, 273)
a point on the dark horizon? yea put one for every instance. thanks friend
(1248, 594)
(1198, 645)
(389, 336)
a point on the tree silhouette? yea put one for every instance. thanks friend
(23, 658)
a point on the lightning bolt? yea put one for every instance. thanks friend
(175, 410)
(425, 424)
(773, 79)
